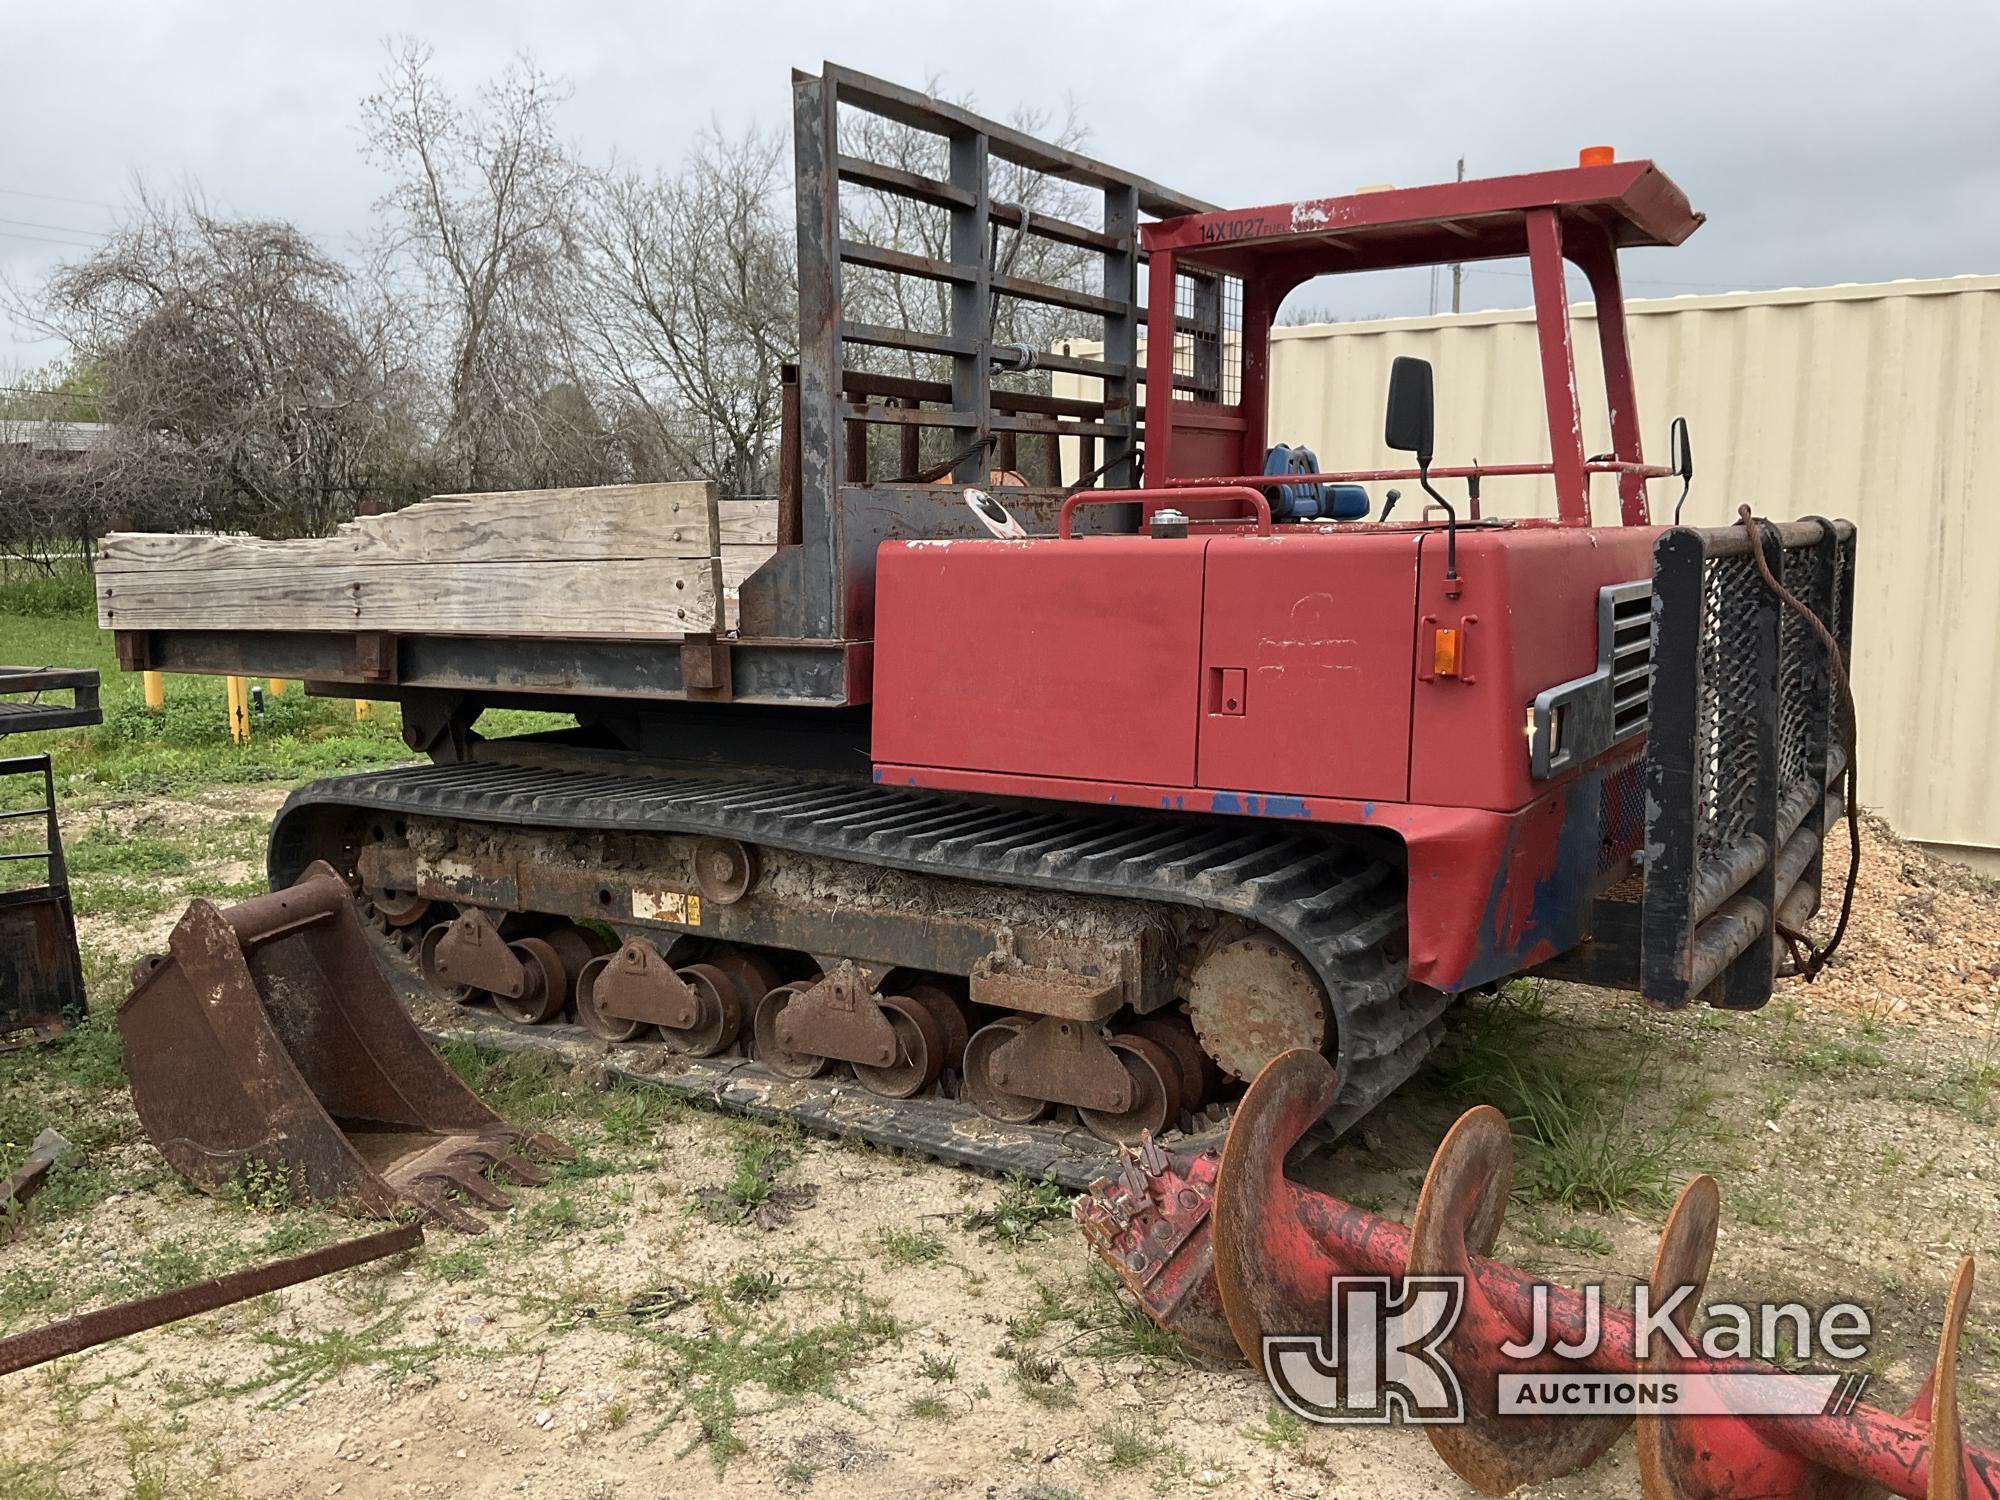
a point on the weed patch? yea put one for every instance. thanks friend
(1024, 1212)
(1578, 1145)
(298, 1364)
(709, 1370)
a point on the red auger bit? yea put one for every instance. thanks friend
(269, 1040)
(1227, 1250)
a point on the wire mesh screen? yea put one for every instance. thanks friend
(1208, 338)
(1743, 750)
(1728, 750)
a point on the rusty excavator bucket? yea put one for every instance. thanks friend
(268, 1040)
(1240, 1261)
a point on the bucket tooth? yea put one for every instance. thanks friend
(519, 1171)
(268, 1038)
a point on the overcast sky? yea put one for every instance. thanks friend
(1842, 140)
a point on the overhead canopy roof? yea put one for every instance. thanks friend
(1484, 219)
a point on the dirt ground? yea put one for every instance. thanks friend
(905, 1328)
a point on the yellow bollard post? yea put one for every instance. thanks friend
(156, 689)
(277, 687)
(362, 708)
(239, 710)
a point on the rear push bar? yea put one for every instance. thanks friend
(1745, 754)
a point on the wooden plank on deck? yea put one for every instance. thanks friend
(619, 597)
(606, 522)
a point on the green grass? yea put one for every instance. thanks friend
(299, 1364)
(1577, 1142)
(1112, 1325)
(1043, 1380)
(1127, 1445)
(75, 1085)
(1279, 1429)
(909, 1247)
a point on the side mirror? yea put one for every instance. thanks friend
(1412, 418)
(1680, 458)
(1680, 452)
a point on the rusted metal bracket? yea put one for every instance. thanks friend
(1002, 980)
(839, 1017)
(705, 668)
(473, 953)
(439, 724)
(84, 1331)
(637, 984)
(375, 655)
(1066, 1061)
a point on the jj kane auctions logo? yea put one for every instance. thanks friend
(1386, 1356)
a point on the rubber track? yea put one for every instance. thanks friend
(1342, 909)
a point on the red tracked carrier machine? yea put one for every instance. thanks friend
(1075, 755)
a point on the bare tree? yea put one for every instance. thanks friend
(477, 226)
(229, 358)
(690, 309)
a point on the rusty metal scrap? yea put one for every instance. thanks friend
(27, 1179)
(1225, 1250)
(83, 1331)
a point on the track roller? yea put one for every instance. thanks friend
(698, 1009)
(772, 1052)
(1121, 1085)
(986, 1082)
(920, 1052)
(528, 979)
(433, 972)
(1156, 1093)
